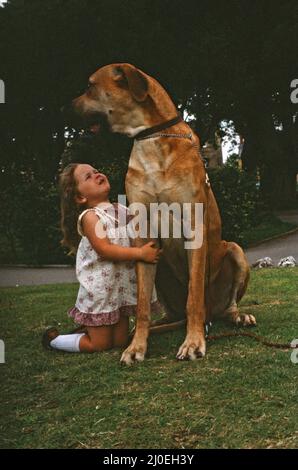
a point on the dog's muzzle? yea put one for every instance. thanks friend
(93, 122)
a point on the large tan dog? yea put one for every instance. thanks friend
(164, 166)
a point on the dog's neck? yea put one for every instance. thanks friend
(127, 123)
(133, 122)
(159, 127)
(131, 132)
(142, 131)
(153, 153)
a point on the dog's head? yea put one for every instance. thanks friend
(125, 97)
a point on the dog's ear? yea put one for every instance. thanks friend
(134, 79)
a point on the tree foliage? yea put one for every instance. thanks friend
(218, 60)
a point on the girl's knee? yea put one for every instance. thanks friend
(104, 346)
(94, 348)
(121, 343)
(107, 344)
(100, 338)
(93, 343)
(120, 333)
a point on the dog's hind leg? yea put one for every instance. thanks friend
(229, 287)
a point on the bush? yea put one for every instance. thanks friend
(237, 196)
(30, 206)
(32, 232)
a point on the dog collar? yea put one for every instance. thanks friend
(151, 132)
(159, 127)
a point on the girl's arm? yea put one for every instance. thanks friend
(112, 252)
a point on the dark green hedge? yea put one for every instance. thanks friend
(237, 196)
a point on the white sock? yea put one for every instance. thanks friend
(69, 343)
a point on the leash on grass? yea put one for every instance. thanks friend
(232, 334)
(257, 338)
(166, 327)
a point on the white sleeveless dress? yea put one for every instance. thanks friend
(108, 289)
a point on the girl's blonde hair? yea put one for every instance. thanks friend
(70, 210)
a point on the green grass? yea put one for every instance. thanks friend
(269, 227)
(242, 395)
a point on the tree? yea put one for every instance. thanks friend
(218, 60)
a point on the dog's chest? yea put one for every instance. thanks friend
(152, 176)
(149, 183)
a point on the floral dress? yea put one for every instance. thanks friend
(108, 289)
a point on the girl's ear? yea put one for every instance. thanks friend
(80, 199)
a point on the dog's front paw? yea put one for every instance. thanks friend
(192, 348)
(133, 354)
(246, 320)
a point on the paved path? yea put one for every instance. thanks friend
(275, 249)
(280, 247)
(22, 276)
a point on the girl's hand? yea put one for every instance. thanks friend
(149, 254)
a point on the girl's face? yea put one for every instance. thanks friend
(93, 187)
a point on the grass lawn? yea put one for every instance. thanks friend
(242, 395)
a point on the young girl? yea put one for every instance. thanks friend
(105, 264)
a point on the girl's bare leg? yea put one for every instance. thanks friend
(98, 338)
(120, 333)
